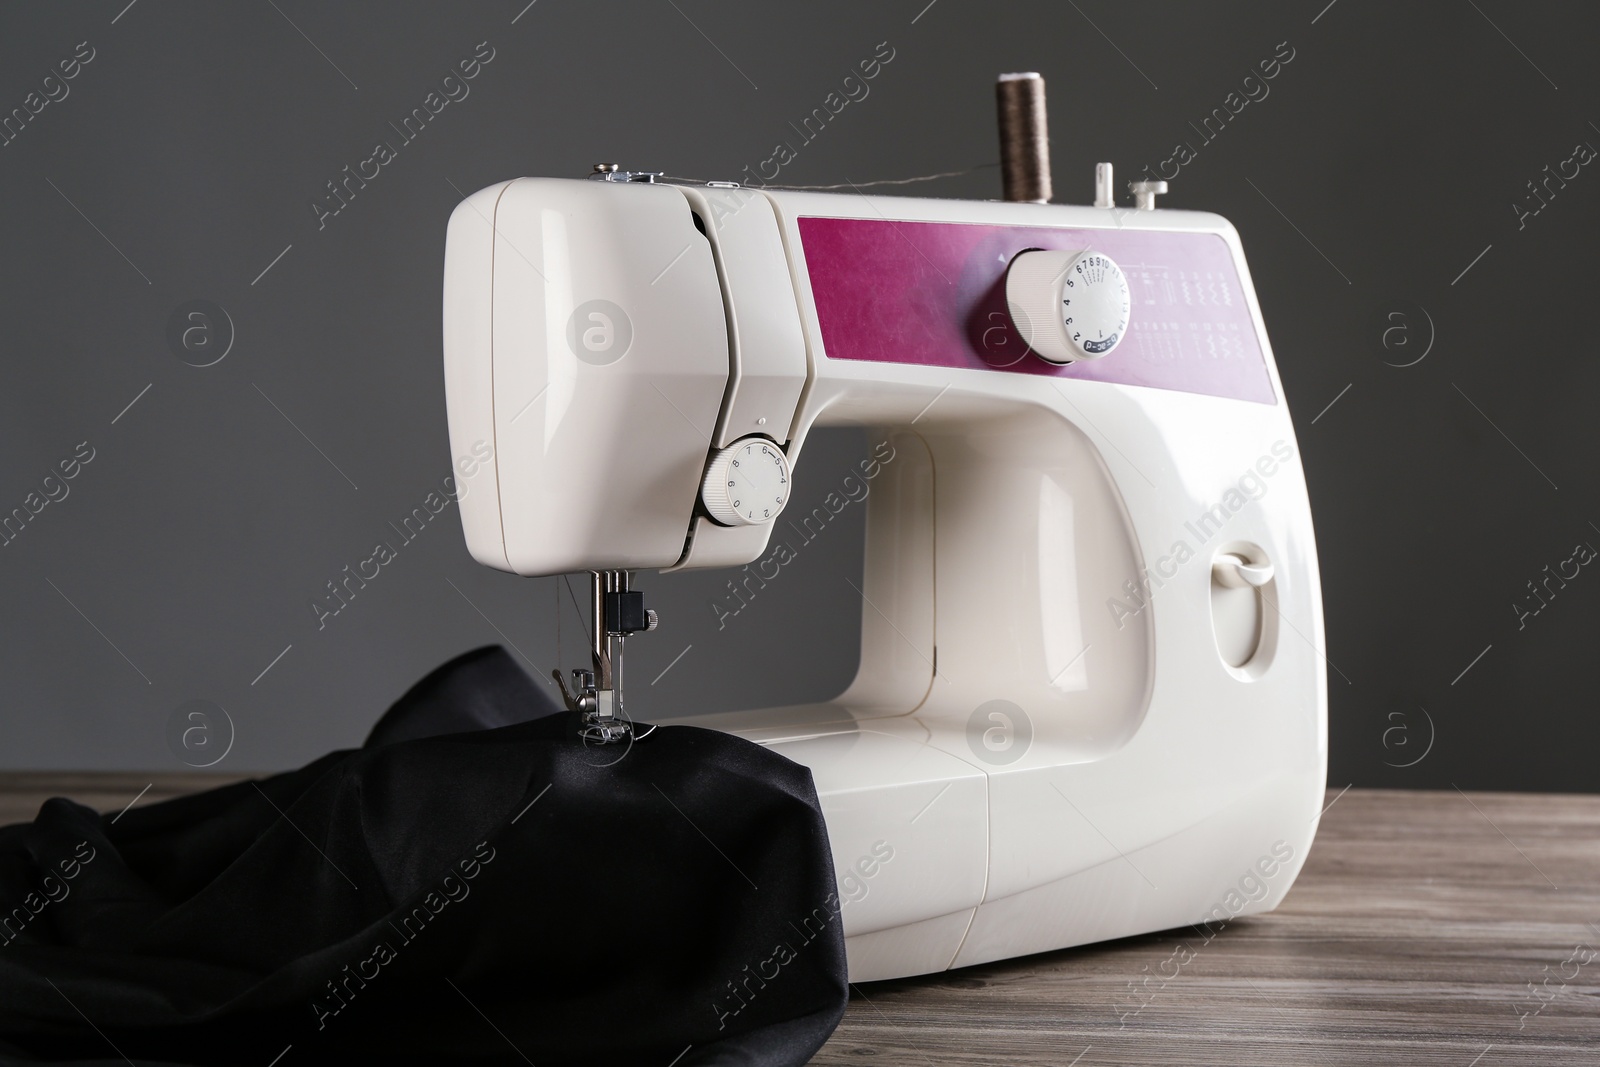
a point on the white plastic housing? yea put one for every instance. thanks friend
(597, 453)
(1016, 768)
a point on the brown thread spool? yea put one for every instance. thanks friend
(1024, 138)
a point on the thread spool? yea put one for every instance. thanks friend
(1024, 138)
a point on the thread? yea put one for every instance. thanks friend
(846, 184)
(1024, 138)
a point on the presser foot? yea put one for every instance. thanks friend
(595, 728)
(597, 731)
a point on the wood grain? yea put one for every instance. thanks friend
(21, 792)
(1410, 937)
(1417, 933)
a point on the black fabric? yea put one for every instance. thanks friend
(479, 690)
(495, 896)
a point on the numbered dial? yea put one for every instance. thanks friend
(1068, 305)
(747, 483)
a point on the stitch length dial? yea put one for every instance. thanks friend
(747, 483)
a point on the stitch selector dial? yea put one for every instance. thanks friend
(747, 483)
(1068, 305)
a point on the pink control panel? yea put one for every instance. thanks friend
(933, 293)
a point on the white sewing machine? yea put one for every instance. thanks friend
(1091, 701)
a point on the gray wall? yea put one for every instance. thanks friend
(183, 162)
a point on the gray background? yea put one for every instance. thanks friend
(1386, 158)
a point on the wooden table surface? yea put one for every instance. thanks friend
(1447, 928)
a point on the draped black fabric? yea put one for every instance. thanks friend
(457, 891)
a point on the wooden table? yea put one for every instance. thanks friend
(1411, 937)
(1447, 928)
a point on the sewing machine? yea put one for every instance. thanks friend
(1091, 698)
